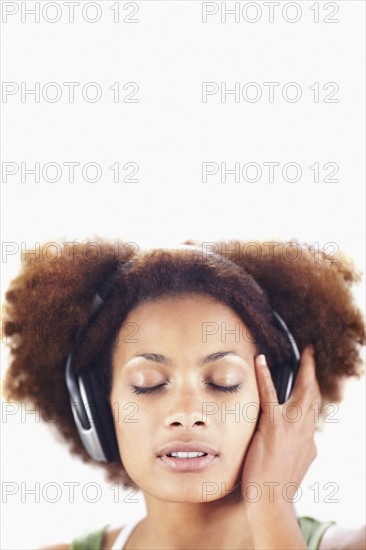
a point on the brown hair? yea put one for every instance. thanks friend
(51, 298)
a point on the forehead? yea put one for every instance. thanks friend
(182, 307)
(192, 323)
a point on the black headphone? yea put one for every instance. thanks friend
(91, 410)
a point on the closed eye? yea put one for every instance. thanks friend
(215, 387)
(225, 388)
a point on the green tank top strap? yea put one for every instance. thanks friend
(313, 530)
(90, 541)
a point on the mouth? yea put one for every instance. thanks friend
(187, 461)
(184, 456)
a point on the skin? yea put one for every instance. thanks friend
(178, 507)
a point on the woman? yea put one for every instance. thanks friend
(192, 350)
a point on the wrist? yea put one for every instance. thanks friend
(274, 525)
(267, 493)
(277, 509)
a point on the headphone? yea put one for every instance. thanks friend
(91, 410)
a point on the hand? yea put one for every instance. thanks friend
(282, 447)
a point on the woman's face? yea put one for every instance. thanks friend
(186, 345)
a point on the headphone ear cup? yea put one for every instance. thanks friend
(282, 376)
(101, 416)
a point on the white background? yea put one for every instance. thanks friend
(169, 52)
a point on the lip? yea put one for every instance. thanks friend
(188, 464)
(183, 446)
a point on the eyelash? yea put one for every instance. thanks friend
(138, 390)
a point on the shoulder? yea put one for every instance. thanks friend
(56, 547)
(337, 537)
(109, 538)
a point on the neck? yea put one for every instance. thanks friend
(219, 524)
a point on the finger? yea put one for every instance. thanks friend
(306, 387)
(267, 391)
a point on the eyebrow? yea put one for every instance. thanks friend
(162, 359)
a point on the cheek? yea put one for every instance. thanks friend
(134, 424)
(240, 418)
(242, 424)
(134, 447)
(248, 428)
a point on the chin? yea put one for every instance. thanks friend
(186, 495)
(194, 489)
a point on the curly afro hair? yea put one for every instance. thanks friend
(51, 297)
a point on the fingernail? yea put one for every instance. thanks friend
(311, 348)
(261, 360)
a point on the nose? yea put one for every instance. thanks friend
(186, 410)
(185, 420)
